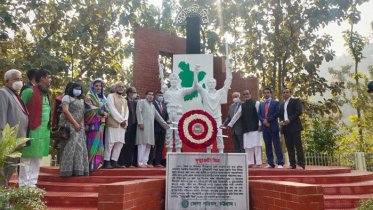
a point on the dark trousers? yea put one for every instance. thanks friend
(269, 138)
(8, 171)
(294, 140)
(128, 155)
(159, 139)
(238, 143)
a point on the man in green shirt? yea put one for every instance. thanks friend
(37, 101)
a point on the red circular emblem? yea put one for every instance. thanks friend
(197, 129)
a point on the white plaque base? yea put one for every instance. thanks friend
(207, 181)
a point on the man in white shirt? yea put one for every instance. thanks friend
(290, 111)
(115, 127)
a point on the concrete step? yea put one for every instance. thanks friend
(348, 188)
(344, 201)
(68, 199)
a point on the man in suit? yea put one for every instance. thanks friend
(159, 132)
(237, 133)
(128, 155)
(13, 112)
(269, 111)
(31, 77)
(290, 111)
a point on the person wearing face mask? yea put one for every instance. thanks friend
(159, 132)
(115, 127)
(146, 114)
(251, 126)
(96, 113)
(38, 103)
(13, 112)
(237, 134)
(74, 161)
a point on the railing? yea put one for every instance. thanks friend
(351, 160)
(369, 161)
(317, 159)
(54, 161)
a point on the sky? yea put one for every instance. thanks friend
(363, 28)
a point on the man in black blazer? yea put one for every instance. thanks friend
(290, 111)
(128, 155)
(159, 132)
(237, 129)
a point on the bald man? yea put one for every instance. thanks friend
(115, 127)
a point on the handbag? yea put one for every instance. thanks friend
(61, 132)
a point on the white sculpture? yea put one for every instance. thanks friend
(172, 98)
(212, 99)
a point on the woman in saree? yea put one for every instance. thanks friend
(74, 160)
(96, 113)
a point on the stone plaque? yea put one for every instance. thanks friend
(210, 181)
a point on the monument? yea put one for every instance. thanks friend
(172, 97)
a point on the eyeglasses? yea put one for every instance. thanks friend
(246, 94)
(17, 80)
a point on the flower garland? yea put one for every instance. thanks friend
(197, 129)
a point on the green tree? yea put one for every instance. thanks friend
(355, 43)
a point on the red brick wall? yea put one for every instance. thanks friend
(150, 43)
(130, 195)
(285, 195)
(149, 194)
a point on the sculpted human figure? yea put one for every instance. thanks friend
(172, 98)
(212, 99)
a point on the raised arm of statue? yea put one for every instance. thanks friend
(164, 87)
(195, 82)
(228, 79)
(160, 69)
(228, 69)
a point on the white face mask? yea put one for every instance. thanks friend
(17, 85)
(149, 98)
(235, 100)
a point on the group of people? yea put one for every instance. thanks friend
(114, 131)
(95, 127)
(249, 120)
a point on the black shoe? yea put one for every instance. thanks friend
(292, 167)
(107, 165)
(115, 164)
(302, 166)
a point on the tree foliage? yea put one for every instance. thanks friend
(276, 40)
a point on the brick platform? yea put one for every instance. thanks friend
(317, 187)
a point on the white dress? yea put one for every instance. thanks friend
(250, 139)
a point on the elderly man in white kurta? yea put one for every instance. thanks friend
(115, 127)
(248, 112)
(172, 98)
(212, 100)
(146, 114)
